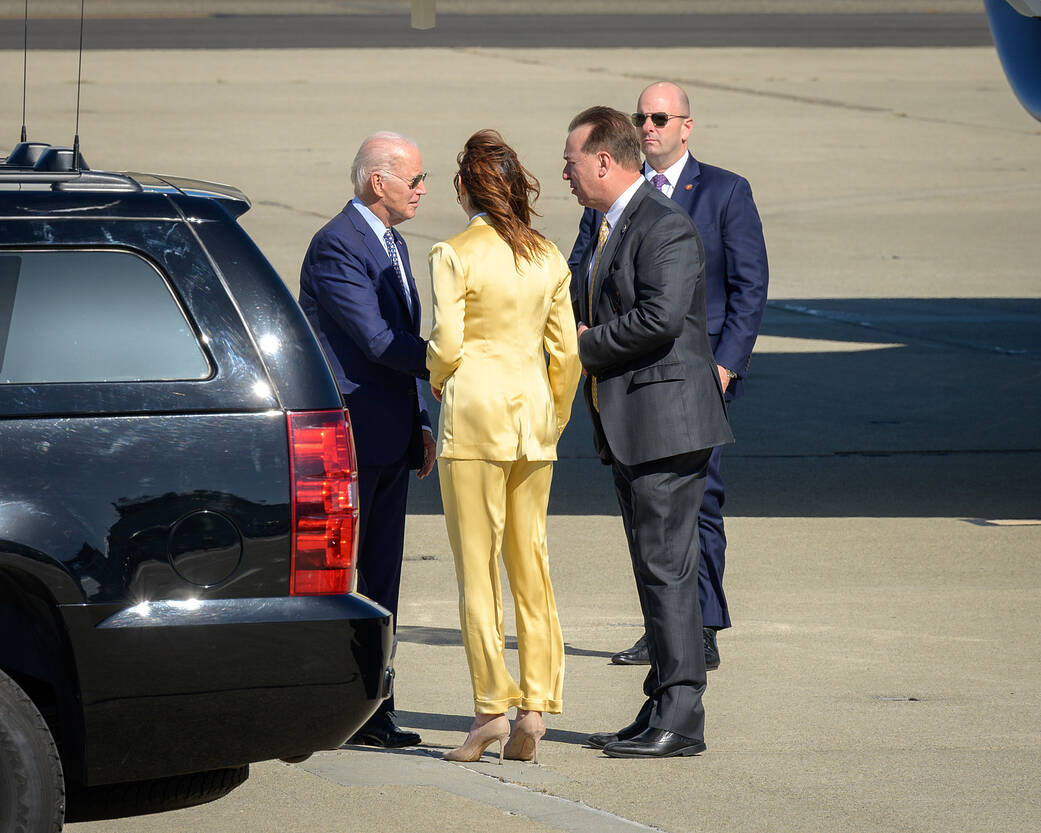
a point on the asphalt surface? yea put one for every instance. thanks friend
(884, 506)
(580, 31)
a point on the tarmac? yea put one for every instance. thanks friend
(884, 505)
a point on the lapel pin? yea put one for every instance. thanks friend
(688, 187)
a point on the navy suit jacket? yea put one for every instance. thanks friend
(356, 305)
(736, 272)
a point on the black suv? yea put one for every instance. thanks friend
(178, 502)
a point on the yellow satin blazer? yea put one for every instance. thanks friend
(494, 326)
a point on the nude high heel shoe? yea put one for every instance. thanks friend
(523, 744)
(477, 740)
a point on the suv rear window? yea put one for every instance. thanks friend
(91, 316)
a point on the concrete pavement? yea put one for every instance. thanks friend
(883, 677)
(884, 509)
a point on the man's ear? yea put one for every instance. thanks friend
(604, 162)
(688, 128)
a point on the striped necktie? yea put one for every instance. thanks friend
(392, 251)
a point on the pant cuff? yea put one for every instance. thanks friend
(496, 706)
(548, 706)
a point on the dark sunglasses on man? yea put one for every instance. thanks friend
(413, 183)
(657, 119)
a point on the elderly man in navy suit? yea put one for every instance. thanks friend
(736, 274)
(357, 291)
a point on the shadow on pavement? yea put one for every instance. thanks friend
(450, 636)
(885, 407)
(461, 723)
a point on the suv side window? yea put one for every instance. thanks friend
(91, 316)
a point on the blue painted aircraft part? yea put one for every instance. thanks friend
(1018, 41)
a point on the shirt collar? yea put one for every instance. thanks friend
(375, 223)
(672, 173)
(614, 213)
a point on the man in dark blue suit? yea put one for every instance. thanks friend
(736, 274)
(357, 291)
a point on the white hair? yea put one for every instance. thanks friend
(378, 152)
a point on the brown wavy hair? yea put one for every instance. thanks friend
(504, 189)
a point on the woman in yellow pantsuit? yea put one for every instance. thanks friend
(503, 361)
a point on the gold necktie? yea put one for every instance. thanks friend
(600, 241)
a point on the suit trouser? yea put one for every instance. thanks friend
(714, 611)
(493, 507)
(382, 493)
(661, 528)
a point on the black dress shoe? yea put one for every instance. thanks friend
(637, 655)
(601, 739)
(655, 743)
(711, 651)
(380, 730)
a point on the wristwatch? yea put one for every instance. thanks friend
(731, 374)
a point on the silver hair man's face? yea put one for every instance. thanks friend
(378, 152)
(398, 198)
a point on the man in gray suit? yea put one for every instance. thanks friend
(657, 409)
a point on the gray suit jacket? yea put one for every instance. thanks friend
(657, 386)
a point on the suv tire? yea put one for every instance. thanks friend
(159, 795)
(32, 788)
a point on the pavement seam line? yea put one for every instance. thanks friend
(424, 768)
(573, 806)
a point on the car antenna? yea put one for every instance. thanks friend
(25, 67)
(76, 159)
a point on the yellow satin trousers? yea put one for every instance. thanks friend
(494, 507)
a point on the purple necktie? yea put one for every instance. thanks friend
(658, 181)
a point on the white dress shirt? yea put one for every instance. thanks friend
(672, 174)
(613, 215)
(380, 230)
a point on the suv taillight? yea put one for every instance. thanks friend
(324, 475)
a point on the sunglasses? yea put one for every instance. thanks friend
(657, 119)
(413, 183)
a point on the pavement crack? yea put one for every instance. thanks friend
(306, 212)
(303, 212)
(776, 95)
